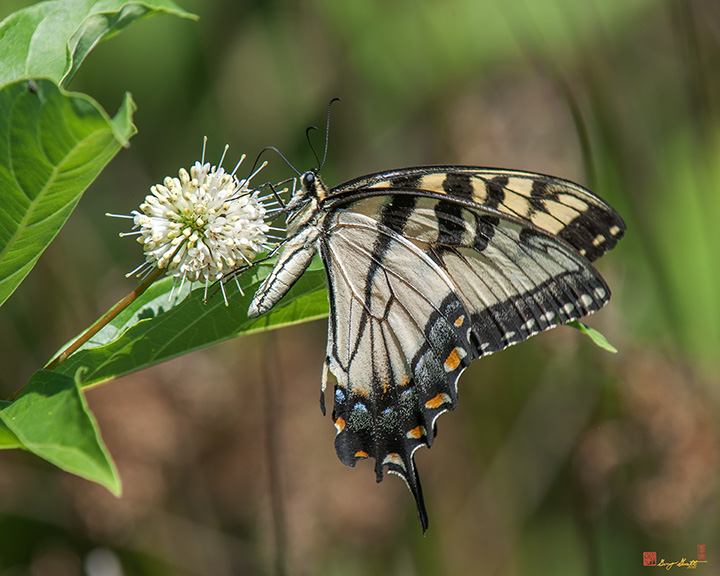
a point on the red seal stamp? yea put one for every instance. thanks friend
(701, 552)
(649, 558)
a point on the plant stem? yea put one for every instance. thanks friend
(100, 324)
(272, 416)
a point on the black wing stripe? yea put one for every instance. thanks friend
(394, 217)
(584, 232)
(495, 191)
(438, 343)
(451, 224)
(458, 184)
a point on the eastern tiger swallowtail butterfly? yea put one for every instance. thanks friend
(429, 269)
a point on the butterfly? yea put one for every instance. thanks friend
(428, 269)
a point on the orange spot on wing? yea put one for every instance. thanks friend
(452, 361)
(459, 321)
(361, 454)
(340, 424)
(417, 432)
(437, 401)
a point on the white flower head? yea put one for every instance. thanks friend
(203, 224)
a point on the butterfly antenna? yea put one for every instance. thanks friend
(312, 148)
(276, 195)
(253, 171)
(279, 154)
(327, 131)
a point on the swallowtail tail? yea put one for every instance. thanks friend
(429, 269)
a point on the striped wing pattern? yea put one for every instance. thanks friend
(431, 268)
(559, 207)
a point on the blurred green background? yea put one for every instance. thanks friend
(561, 458)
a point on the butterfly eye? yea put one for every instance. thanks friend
(308, 180)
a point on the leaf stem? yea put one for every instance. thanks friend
(100, 324)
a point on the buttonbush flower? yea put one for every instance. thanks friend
(203, 224)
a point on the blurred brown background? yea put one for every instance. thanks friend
(561, 458)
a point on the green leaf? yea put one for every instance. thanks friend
(50, 418)
(53, 144)
(594, 335)
(51, 39)
(7, 438)
(154, 329)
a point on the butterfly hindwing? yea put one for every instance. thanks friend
(392, 379)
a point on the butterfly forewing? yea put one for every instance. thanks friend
(559, 207)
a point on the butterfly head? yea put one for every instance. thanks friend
(312, 186)
(305, 200)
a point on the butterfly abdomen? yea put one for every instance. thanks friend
(296, 256)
